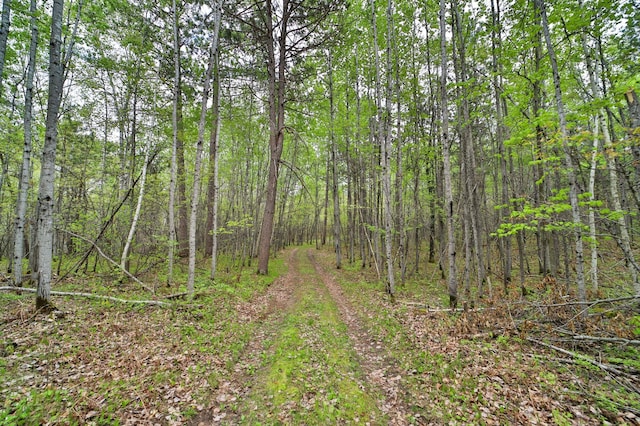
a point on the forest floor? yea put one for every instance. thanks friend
(307, 344)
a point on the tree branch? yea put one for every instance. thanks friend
(89, 295)
(127, 273)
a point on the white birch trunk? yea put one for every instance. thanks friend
(573, 185)
(4, 35)
(334, 172)
(593, 168)
(592, 213)
(25, 172)
(136, 215)
(47, 173)
(174, 173)
(446, 157)
(624, 239)
(214, 212)
(195, 196)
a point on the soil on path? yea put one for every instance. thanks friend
(374, 362)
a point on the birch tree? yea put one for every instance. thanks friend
(25, 171)
(5, 22)
(136, 216)
(452, 282)
(47, 173)
(571, 171)
(334, 170)
(195, 195)
(174, 119)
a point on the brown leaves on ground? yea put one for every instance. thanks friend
(96, 363)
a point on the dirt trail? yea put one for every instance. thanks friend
(374, 358)
(269, 309)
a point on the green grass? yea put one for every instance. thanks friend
(311, 374)
(134, 353)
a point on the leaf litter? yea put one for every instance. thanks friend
(98, 363)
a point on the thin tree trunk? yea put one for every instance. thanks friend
(47, 173)
(573, 185)
(4, 35)
(195, 195)
(503, 212)
(172, 182)
(25, 172)
(592, 170)
(446, 157)
(386, 161)
(334, 171)
(213, 191)
(136, 215)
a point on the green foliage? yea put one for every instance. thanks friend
(635, 321)
(312, 335)
(32, 408)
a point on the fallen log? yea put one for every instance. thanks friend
(90, 296)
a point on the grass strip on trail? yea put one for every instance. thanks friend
(311, 374)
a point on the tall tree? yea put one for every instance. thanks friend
(47, 173)
(337, 246)
(5, 22)
(446, 158)
(571, 170)
(195, 195)
(286, 31)
(174, 155)
(25, 171)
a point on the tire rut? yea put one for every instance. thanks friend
(268, 308)
(375, 361)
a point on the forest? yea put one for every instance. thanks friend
(319, 212)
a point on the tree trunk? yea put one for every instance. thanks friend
(136, 215)
(593, 167)
(25, 172)
(573, 185)
(334, 171)
(47, 173)
(446, 158)
(276, 70)
(503, 212)
(213, 190)
(4, 35)
(195, 195)
(174, 156)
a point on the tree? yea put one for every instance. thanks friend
(571, 171)
(4, 34)
(334, 169)
(174, 149)
(285, 32)
(213, 52)
(47, 173)
(446, 158)
(25, 171)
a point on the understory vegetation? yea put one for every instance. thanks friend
(238, 354)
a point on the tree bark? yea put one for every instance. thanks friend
(276, 70)
(25, 172)
(4, 35)
(573, 184)
(174, 116)
(213, 190)
(136, 215)
(47, 173)
(334, 171)
(452, 282)
(195, 195)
